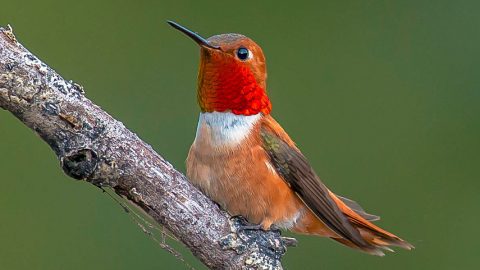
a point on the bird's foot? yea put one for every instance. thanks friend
(269, 244)
(275, 228)
(289, 241)
(250, 227)
(242, 224)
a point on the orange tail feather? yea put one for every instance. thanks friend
(379, 239)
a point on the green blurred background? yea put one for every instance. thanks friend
(382, 96)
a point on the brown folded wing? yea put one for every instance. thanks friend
(294, 168)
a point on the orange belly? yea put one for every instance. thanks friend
(246, 186)
(236, 173)
(243, 184)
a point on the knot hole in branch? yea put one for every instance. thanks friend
(80, 164)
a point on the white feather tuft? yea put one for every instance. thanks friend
(225, 128)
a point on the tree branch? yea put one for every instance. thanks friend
(93, 146)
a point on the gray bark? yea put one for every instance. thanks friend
(93, 146)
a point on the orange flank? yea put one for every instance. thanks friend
(243, 159)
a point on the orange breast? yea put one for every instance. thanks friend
(237, 175)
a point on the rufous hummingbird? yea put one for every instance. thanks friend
(243, 159)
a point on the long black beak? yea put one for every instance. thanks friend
(196, 37)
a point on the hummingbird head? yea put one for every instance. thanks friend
(232, 75)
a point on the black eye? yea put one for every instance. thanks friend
(243, 53)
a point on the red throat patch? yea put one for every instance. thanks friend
(231, 86)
